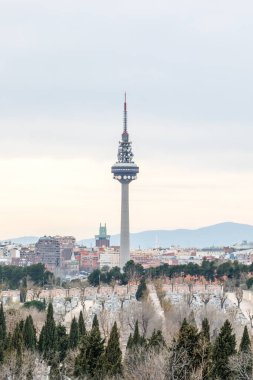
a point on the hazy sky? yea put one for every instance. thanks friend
(187, 67)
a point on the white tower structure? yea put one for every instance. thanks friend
(125, 171)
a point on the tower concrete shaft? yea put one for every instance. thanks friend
(124, 230)
(125, 171)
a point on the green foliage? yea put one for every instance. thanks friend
(224, 347)
(89, 361)
(81, 326)
(141, 290)
(249, 282)
(49, 343)
(245, 345)
(73, 335)
(3, 333)
(156, 340)
(62, 342)
(112, 360)
(185, 351)
(95, 322)
(136, 340)
(205, 331)
(29, 334)
(14, 277)
(40, 306)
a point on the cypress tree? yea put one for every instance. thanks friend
(205, 331)
(130, 342)
(137, 340)
(41, 339)
(156, 340)
(224, 347)
(95, 321)
(245, 345)
(206, 349)
(89, 362)
(2, 324)
(141, 290)
(81, 326)
(113, 355)
(49, 339)
(29, 334)
(62, 341)
(73, 335)
(2, 333)
(185, 351)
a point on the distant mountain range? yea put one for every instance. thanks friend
(221, 234)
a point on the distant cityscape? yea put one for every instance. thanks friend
(67, 258)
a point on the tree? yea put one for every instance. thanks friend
(89, 360)
(81, 326)
(185, 352)
(2, 333)
(94, 277)
(224, 348)
(249, 282)
(156, 340)
(62, 341)
(239, 296)
(141, 290)
(245, 345)
(95, 321)
(113, 355)
(49, 334)
(73, 335)
(29, 334)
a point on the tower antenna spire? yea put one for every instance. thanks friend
(125, 115)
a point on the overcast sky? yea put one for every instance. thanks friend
(64, 67)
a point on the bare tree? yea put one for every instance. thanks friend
(145, 365)
(250, 315)
(241, 365)
(239, 296)
(222, 297)
(205, 298)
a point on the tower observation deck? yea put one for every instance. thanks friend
(125, 171)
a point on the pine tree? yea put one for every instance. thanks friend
(130, 342)
(156, 340)
(49, 338)
(113, 355)
(141, 290)
(206, 349)
(89, 360)
(224, 347)
(81, 326)
(245, 345)
(29, 334)
(73, 335)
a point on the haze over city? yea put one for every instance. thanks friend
(187, 70)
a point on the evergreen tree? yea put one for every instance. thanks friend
(224, 347)
(89, 360)
(137, 340)
(185, 351)
(29, 334)
(141, 290)
(2, 324)
(55, 369)
(41, 339)
(130, 342)
(113, 355)
(81, 326)
(156, 340)
(62, 342)
(73, 335)
(245, 345)
(95, 321)
(49, 338)
(205, 331)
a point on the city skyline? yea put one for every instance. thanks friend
(187, 71)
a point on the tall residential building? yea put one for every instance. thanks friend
(102, 239)
(125, 171)
(48, 252)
